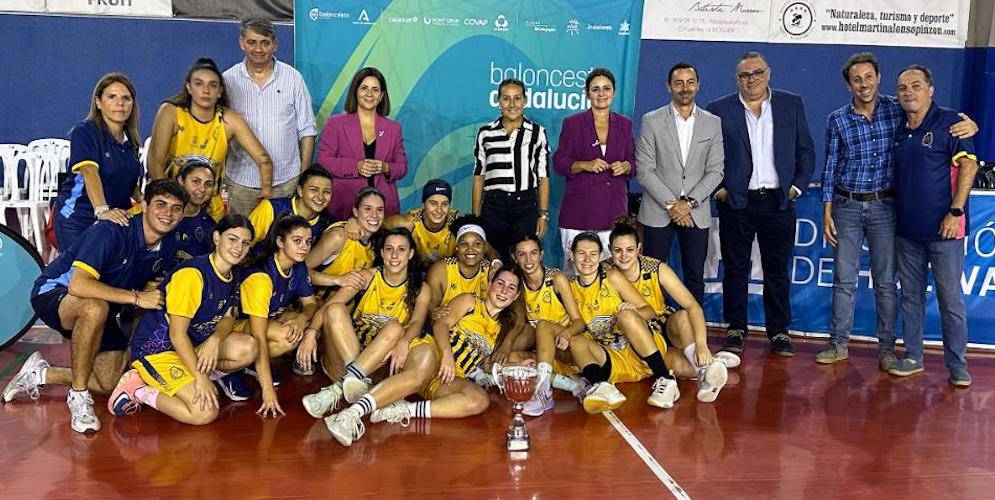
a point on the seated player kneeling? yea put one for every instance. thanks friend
(175, 352)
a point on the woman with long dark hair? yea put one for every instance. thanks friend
(393, 302)
(197, 123)
(174, 351)
(103, 162)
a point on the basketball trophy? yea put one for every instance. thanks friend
(518, 383)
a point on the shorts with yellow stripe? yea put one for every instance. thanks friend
(164, 371)
(628, 366)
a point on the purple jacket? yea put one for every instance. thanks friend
(593, 201)
(341, 147)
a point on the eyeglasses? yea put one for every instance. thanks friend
(746, 75)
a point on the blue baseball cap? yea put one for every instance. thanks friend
(436, 186)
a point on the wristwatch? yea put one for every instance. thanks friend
(544, 214)
(957, 211)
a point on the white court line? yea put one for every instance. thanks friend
(647, 458)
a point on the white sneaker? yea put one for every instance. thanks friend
(354, 388)
(321, 402)
(395, 413)
(729, 359)
(83, 418)
(711, 380)
(580, 389)
(28, 379)
(602, 397)
(541, 402)
(346, 426)
(665, 393)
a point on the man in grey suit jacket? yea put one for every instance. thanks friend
(680, 155)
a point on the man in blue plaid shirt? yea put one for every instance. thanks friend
(858, 199)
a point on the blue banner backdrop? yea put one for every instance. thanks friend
(443, 61)
(812, 277)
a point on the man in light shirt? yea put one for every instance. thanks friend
(680, 149)
(763, 176)
(273, 99)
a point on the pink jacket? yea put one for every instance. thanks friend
(340, 149)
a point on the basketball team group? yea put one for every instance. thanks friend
(241, 258)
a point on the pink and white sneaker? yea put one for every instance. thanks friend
(123, 401)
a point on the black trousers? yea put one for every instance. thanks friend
(693, 244)
(505, 216)
(775, 233)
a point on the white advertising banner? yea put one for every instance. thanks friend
(908, 23)
(22, 5)
(134, 8)
(741, 21)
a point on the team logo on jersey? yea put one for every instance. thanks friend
(156, 265)
(547, 297)
(199, 233)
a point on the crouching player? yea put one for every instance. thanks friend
(620, 346)
(684, 328)
(174, 352)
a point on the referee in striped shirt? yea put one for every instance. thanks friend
(510, 179)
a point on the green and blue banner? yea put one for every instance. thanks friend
(443, 61)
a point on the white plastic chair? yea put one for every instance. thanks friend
(10, 156)
(54, 146)
(28, 198)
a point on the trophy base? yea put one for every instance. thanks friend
(519, 443)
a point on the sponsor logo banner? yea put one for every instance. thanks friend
(916, 23)
(811, 274)
(23, 5)
(137, 8)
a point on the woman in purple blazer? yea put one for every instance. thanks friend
(596, 155)
(362, 147)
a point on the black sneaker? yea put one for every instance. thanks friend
(734, 341)
(781, 345)
(277, 379)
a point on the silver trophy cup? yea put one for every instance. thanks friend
(518, 383)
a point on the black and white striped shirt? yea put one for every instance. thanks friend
(511, 162)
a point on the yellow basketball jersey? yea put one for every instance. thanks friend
(474, 337)
(381, 302)
(598, 304)
(353, 256)
(457, 284)
(194, 138)
(648, 284)
(544, 303)
(433, 245)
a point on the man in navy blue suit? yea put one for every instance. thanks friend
(769, 158)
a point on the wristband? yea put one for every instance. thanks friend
(136, 298)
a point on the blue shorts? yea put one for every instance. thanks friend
(47, 306)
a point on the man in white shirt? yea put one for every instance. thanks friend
(273, 99)
(680, 157)
(756, 197)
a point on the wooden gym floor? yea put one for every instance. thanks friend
(782, 428)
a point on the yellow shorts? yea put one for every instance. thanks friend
(428, 392)
(164, 371)
(366, 332)
(240, 326)
(565, 369)
(627, 366)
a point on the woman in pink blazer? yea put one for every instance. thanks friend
(362, 147)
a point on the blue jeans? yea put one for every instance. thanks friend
(855, 220)
(946, 258)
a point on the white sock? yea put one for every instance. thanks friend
(545, 371)
(565, 383)
(420, 409)
(365, 405)
(41, 376)
(689, 354)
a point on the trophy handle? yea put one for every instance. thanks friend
(495, 372)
